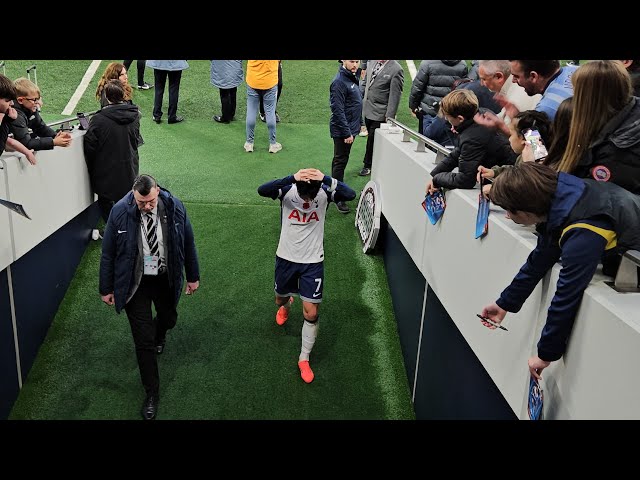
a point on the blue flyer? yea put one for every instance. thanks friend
(536, 399)
(434, 204)
(482, 220)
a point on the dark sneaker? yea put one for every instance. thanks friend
(145, 86)
(263, 118)
(342, 207)
(364, 172)
(277, 118)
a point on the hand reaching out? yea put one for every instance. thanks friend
(484, 172)
(494, 313)
(510, 109)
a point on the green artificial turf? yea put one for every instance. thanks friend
(227, 358)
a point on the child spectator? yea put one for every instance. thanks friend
(29, 128)
(523, 121)
(476, 146)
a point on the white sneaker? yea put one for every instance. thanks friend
(95, 234)
(248, 147)
(275, 147)
(363, 131)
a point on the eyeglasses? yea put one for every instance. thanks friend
(33, 99)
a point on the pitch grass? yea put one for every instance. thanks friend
(227, 358)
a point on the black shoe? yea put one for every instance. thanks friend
(262, 117)
(277, 118)
(157, 119)
(178, 119)
(150, 407)
(343, 207)
(160, 346)
(364, 172)
(145, 86)
(219, 119)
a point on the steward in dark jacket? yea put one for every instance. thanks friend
(345, 101)
(148, 243)
(121, 263)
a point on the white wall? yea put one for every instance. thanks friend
(597, 377)
(52, 192)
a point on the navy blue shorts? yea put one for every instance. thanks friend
(305, 280)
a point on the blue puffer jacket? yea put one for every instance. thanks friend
(345, 101)
(120, 248)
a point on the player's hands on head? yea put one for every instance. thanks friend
(308, 174)
(315, 174)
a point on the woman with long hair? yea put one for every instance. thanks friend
(604, 139)
(114, 71)
(560, 131)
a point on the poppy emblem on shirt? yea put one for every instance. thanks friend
(305, 205)
(601, 173)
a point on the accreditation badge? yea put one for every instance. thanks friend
(151, 263)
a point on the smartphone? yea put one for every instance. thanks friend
(537, 145)
(84, 123)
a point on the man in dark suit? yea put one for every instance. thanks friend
(148, 242)
(385, 80)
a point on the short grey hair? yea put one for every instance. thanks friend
(493, 66)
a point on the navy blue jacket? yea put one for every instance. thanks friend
(586, 218)
(345, 101)
(120, 248)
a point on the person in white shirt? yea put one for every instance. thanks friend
(304, 198)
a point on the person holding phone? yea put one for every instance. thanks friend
(523, 122)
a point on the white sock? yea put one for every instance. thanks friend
(309, 334)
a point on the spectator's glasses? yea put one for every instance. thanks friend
(34, 100)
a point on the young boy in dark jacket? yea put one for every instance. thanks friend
(477, 145)
(41, 136)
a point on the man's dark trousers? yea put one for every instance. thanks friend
(149, 331)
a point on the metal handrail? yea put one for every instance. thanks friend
(67, 121)
(423, 142)
(627, 276)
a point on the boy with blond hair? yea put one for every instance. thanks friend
(41, 136)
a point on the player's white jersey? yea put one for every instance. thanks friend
(302, 232)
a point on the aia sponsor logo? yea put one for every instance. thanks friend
(303, 217)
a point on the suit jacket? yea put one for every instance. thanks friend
(121, 262)
(382, 96)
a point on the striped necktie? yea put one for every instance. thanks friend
(152, 239)
(376, 70)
